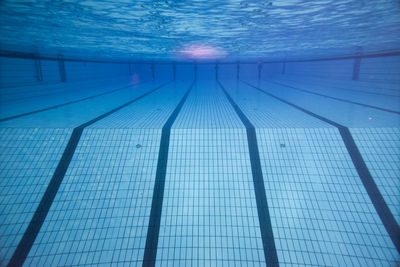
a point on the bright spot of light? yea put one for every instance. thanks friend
(200, 51)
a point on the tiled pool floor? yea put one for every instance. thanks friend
(201, 173)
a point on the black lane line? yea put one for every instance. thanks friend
(25, 245)
(271, 257)
(64, 104)
(337, 98)
(150, 252)
(370, 186)
(318, 83)
(63, 87)
(51, 91)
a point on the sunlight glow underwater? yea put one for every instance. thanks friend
(200, 51)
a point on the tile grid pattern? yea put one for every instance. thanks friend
(29, 237)
(28, 158)
(381, 151)
(339, 86)
(210, 213)
(265, 112)
(320, 211)
(205, 108)
(103, 203)
(344, 229)
(347, 114)
(149, 112)
(73, 93)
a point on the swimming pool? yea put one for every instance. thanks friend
(212, 169)
(184, 162)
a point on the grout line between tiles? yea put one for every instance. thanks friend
(336, 98)
(24, 246)
(150, 252)
(267, 236)
(367, 180)
(64, 104)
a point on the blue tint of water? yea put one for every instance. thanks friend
(160, 30)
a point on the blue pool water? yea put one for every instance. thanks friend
(159, 30)
(195, 133)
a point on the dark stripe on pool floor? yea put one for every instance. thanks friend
(336, 98)
(27, 240)
(63, 104)
(335, 87)
(153, 230)
(267, 236)
(370, 186)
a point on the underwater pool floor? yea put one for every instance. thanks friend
(200, 173)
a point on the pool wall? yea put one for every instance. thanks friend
(16, 72)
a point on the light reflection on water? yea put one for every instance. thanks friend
(200, 51)
(149, 29)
